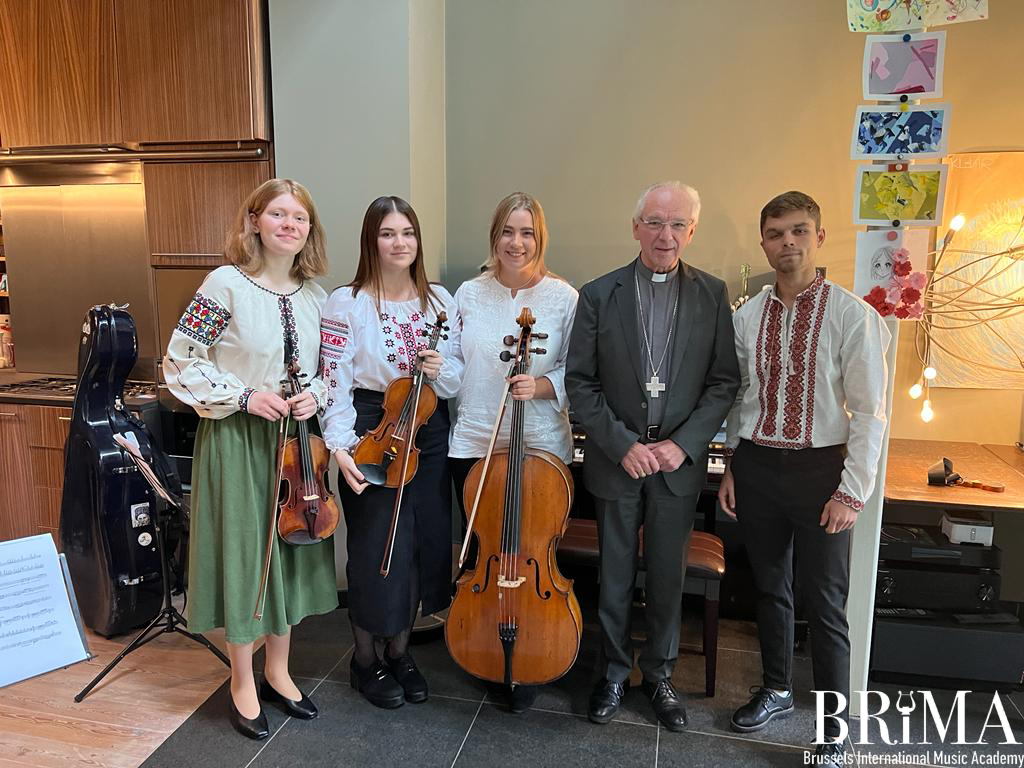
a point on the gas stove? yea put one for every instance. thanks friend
(61, 389)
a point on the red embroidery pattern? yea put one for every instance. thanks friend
(769, 365)
(848, 500)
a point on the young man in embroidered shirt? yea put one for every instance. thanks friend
(805, 436)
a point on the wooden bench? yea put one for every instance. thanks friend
(705, 567)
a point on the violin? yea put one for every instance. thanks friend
(408, 404)
(515, 618)
(303, 509)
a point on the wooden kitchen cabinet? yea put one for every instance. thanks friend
(192, 70)
(58, 73)
(32, 441)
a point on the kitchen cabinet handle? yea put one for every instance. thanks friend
(8, 414)
(63, 418)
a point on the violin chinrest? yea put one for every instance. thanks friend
(374, 474)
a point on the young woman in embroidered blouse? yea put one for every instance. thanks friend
(371, 334)
(226, 359)
(515, 276)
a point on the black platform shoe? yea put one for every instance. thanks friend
(377, 684)
(304, 709)
(408, 675)
(256, 729)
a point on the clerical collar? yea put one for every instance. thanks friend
(656, 277)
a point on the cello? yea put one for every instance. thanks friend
(515, 619)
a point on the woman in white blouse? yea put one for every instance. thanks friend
(515, 276)
(226, 359)
(373, 332)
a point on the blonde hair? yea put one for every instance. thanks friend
(244, 248)
(519, 201)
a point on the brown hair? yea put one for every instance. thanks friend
(788, 202)
(519, 201)
(244, 248)
(368, 273)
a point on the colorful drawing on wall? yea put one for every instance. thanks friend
(891, 134)
(912, 195)
(894, 66)
(988, 189)
(890, 271)
(892, 15)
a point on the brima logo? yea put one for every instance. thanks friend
(936, 727)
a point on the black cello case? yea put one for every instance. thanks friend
(107, 529)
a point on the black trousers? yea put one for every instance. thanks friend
(667, 520)
(780, 495)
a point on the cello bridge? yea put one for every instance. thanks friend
(311, 497)
(510, 583)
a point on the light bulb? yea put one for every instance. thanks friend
(929, 373)
(916, 390)
(927, 414)
(957, 223)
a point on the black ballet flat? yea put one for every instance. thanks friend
(255, 729)
(304, 709)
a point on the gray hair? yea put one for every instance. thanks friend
(684, 188)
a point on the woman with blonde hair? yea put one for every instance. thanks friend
(514, 276)
(374, 331)
(227, 357)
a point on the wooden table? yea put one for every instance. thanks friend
(906, 480)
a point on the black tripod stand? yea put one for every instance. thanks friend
(168, 619)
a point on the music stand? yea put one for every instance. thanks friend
(168, 619)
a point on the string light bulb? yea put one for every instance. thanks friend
(927, 414)
(930, 373)
(916, 390)
(954, 226)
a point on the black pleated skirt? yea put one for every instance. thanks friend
(423, 544)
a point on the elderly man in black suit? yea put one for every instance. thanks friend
(651, 375)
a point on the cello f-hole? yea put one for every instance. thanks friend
(546, 594)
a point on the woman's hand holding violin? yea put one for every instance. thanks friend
(267, 405)
(431, 362)
(523, 386)
(352, 475)
(303, 405)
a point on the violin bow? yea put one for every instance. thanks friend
(487, 463)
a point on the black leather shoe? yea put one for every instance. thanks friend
(666, 703)
(377, 684)
(765, 705)
(408, 675)
(304, 709)
(830, 754)
(256, 729)
(605, 700)
(521, 698)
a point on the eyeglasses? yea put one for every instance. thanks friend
(678, 227)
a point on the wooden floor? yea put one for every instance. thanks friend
(119, 724)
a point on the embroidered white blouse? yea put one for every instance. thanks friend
(813, 376)
(489, 313)
(230, 342)
(363, 349)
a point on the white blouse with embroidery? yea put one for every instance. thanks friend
(231, 342)
(489, 313)
(813, 376)
(363, 349)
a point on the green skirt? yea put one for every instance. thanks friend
(231, 475)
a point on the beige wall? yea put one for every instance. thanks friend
(583, 103)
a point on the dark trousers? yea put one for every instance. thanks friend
(780, 495)
(667, 520)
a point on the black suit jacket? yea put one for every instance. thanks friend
(604, 377)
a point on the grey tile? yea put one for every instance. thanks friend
(350, 731)
(318, 643)
(545, 739)
(698, 750)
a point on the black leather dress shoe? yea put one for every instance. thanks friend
(408, 675)
(304, 709)
(831, 754)
(765, 705)
(256, 729)
(605, 700)
(377, 684)
(666, 704)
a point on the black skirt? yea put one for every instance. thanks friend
(423, 544)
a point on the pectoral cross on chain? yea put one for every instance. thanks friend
(654, 386)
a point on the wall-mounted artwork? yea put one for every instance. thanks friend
(891, 134)
(910, 195)
(892, 15)
(894, 67)
(890, 272)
